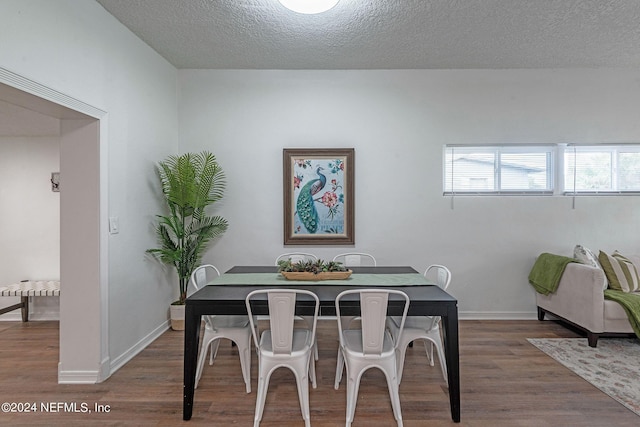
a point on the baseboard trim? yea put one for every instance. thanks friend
(498, 315)
(77, 377)
(107, 368)
(16, 316)
(480, 315)
(121, 360)
(104, 369)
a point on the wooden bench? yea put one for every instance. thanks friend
(26, 289)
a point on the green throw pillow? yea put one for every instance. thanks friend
(621, 273)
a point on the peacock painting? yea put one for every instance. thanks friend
(319, 196)
(305, 205)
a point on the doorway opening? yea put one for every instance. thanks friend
(83, 356)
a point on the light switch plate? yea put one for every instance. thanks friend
(114, 225)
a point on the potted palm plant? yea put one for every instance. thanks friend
(190, 183)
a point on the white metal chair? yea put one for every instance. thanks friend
(234, 328)
(356, 259)
(282, 345)
(296, 257)
(371, 346)
(425, 328)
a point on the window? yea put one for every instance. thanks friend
(602, 169)
(514, 169)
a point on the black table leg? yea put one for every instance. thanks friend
(451, 347)
(191, 337)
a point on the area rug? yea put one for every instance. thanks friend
(613, 366)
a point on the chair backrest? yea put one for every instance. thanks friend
(282, 305)
(373, 312)
(202, 275)
(296, 257)
(440, 275)
(355, 259)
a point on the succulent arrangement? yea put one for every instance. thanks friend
(310, 266)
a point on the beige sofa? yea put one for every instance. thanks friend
(579, 300)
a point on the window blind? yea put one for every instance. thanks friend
(504, 169)
(601, 169)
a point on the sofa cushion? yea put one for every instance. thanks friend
(585, 256)
(635, 259)
(614, 311)
(621, 273)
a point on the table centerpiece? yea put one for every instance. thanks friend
(313, 270)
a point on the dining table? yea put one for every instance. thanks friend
(226, 294)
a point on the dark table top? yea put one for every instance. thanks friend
(229, 299)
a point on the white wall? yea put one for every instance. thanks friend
(398, 122)
(30, 218)
(76, 48)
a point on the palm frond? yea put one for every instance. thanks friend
(211, 182)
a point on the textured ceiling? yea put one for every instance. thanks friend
(388, 34)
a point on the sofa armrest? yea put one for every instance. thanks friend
(579, 297)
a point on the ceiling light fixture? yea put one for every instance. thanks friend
(309, 7)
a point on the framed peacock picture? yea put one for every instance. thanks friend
(318, 196)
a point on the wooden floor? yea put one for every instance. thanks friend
(505, 381)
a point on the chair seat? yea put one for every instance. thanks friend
(301, 341)
(353, 343)
(422, 323)
(228, 322)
